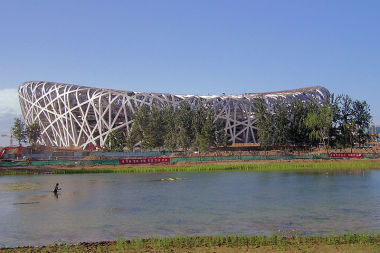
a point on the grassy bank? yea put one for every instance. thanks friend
(224, 243)
(275, 166)
(285, 165)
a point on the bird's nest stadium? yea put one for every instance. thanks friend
(73, 115)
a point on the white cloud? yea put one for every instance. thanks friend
(9, 110)
(9, 102)
(6, 122)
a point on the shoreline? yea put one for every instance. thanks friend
(349, 242)
(233, 165)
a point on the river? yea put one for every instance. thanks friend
(94, 207)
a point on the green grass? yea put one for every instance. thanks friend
(242, 240)
(278, 166)
(17, 172)
(167, 244)
(329, 165)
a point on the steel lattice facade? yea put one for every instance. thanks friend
(72, 115)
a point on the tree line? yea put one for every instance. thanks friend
(186, 127)
(338, 122)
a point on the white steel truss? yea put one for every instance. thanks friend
(72, 115)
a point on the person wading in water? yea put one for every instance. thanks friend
(56, 189)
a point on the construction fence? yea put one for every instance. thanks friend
(81, 155)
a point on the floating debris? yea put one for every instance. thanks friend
(171, 179)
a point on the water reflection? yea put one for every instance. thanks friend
(104, 206)
(348, 172)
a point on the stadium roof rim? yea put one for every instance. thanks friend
(283, 92)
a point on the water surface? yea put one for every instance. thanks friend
(104, 206)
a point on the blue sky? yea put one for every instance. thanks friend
(193, 47)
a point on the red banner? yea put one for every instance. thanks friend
(143, 160)
(346, 155)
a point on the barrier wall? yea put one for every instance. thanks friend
(129, 154)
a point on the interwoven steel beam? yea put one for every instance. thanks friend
(72, 115)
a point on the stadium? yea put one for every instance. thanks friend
(77, 116)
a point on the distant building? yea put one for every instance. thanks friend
(72, 115)
(374, 131)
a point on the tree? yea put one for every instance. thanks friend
(352, 121)
(335, 128)
(221, 137)
(33, 133)
(171, 135)
(344, 121)
(18, 130)
(362, 118)
(136, 135)
(264, 123)
(115, 141)
(298, 131)
(350, 128)
(207, 137)
(320, 123)
(185, 125)
(199, 117)
(281, 123)
(154, 129)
